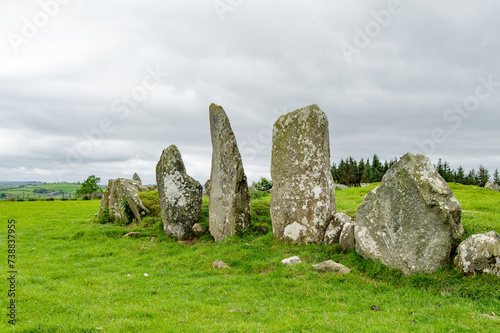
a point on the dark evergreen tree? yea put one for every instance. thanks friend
(460, 175)
(496, 177)
(483, 176)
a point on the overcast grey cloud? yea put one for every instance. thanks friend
(75, 76)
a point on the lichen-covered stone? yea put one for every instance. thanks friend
(127, 189)
(411, 221)
(229, 204)
(346, 239)
(332, 234)
(479, 254)
(136, 178)
(303, 195)
(180, 195)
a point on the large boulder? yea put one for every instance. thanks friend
(479, 254)
(492, 186)
(303, 195)
(180, 195)
(411, 221)
(119, 192)
(229, 205)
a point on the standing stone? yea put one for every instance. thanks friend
(136, 178)
(180, 195)
(303, 195)
(229, 205)
(412, 220)
(207, 188)
(479, 254)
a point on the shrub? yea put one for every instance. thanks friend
(104, 217)
(151, 201)
(20, 200)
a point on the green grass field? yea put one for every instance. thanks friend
(78, 276)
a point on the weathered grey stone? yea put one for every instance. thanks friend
(220, 264)
(492, 186)
(199, 230)
(180, 195)
(136, 178)
(332, 234)
(346, 240)
(333, 267)
(412, 220)
(479, 254)
(229, 205)
(127, 189)
(291, 261)
(207, 188)
(303, 195)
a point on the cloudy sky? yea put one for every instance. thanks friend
(102, 87)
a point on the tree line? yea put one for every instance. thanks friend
(353, 173)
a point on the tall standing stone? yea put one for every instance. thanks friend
(180, 195)
(229, 205)
(303, 195)
(412, 220)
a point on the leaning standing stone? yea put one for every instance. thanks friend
(180, 195)
(412, 220)
(303, 195)
(229, 205)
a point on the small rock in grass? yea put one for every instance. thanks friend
(291, 261)
(132, 234)
(220, 264)
(332, 266)
(199, 230)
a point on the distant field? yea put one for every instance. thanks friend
(67, 188)
(78, 276)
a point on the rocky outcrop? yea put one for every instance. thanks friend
(303, 195)
(479, 254)
(180, 195)
(229, 205)
(121, 195)
(411, 221)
